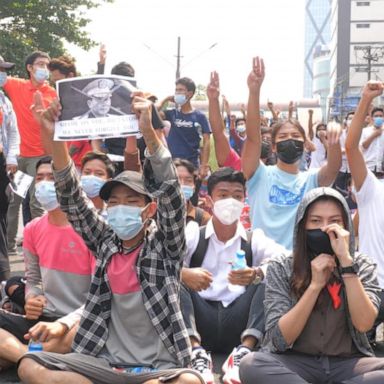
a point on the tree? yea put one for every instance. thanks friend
(29, 25)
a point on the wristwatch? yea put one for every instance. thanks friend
(354, 268)
(258, 277)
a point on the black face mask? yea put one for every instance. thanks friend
(289, 151)
(318, 242)
(265, 149)
(18, 295)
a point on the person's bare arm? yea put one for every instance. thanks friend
(354, 155)
(374, 135)
(250, 157)
(132, 155)
(222, 147)
(47, 118)
(275, 115)
(310, 124)
(293, 322)
(204, 155)
(330, 169)
(291, 107)
(160, 106)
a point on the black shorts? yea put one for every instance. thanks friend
(18, 325)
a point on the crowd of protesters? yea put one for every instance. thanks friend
(129, 266)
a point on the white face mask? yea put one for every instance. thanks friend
(228, 210)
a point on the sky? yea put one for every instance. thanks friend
(144, 33)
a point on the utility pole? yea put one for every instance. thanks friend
(178, 59)
(371, 54)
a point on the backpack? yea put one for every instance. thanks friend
(197, 257)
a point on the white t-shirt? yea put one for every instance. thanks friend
(319, 156)
(219, 255)
(373, 155)
(370, 201)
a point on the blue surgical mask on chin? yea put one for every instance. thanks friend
(187, 191)
(45, 193)
(180, 99)
(41, 74)
(3, 78)
(91, 185)
(125, 220)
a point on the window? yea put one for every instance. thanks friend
(363, 25)
(363, 3)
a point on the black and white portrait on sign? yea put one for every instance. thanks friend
(96, 107)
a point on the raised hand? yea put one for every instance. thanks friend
(213, 88)
(46, 117)
(334, 131)
(256, 77)
(102, 54)
(142, 107)
(372, 89)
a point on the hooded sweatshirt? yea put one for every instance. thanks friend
(278, 297)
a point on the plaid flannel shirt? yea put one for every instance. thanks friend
(158, 265)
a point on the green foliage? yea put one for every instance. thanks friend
(28, 25)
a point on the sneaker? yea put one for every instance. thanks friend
(201, 361)
(231, 365)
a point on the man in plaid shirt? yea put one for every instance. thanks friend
(132, 320)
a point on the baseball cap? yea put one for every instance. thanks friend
(131, 179)
(5, 64)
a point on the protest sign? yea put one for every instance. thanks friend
(20, 183)
(95, 107)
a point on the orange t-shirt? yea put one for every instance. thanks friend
(21, 92)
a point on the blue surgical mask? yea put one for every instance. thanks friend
(125, 220)
(91, 185)
(41, 74)
(45, 193)
(378, 122)
(241, 128)
(180, 99)
(187, 191)
(3, 78)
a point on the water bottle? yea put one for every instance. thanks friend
(35, 346)
(239, 262)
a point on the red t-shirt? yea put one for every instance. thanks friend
(82, 147)
(21, 92)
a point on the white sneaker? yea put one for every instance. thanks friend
(231, 365)
(201, 361)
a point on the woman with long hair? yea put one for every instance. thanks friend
(319, 303)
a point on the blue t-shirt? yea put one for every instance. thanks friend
(274, 196)
(185, 134)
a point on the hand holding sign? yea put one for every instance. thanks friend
(95, 107)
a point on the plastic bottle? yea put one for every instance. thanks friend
(239, 262)
(35, 346)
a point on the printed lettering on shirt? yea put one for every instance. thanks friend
(280, 196)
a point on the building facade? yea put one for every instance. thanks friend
(357, 51)
(317, 34)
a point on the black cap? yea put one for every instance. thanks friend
(5, 64)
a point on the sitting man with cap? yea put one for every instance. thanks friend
(131, 329)
(100, 93)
